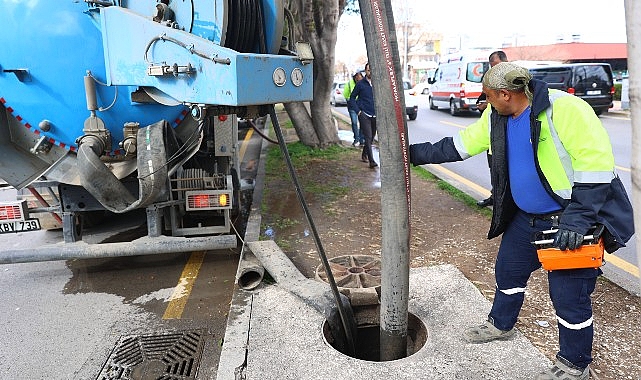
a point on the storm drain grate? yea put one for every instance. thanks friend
(174, 356)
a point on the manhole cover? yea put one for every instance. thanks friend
(357, 276)
(173, 356)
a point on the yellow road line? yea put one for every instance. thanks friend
(243, 146)
(622, 264)
(181, 293)
(473, 185)
(453, 124)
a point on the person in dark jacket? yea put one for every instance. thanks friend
(552, 167)
(362, 101)
(481, 103)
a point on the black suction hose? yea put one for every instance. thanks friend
(347, 327)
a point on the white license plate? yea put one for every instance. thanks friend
(19, 226)
(593, 92)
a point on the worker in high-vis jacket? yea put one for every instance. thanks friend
(552, 167)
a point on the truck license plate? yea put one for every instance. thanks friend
(20, 226)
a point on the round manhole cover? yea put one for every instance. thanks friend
(357, 276)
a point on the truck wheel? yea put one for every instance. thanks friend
(453, 110)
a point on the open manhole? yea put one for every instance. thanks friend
(174, 356)
(357, 276)
(367, 340)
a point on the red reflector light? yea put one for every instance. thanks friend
(13, 211)
(213, 200)
(199, 201)
(612, 90)
(571, 91)
(222, 117)
(9, 212)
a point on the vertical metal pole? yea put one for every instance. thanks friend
(633, 30)
(382, 51)
(406, 35)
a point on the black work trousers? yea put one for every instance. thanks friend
(368, 129)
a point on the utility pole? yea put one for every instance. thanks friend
(406, 35)
(382, 51)
(633, 30)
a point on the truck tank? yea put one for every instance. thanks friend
(116, 106)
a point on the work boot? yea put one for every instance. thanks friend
(486, 202)
(486, 333)
(561, 371)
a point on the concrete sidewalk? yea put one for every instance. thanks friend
(273, 334)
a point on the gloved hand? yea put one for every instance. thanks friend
(566, 239)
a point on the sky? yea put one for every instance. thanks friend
(490, 23)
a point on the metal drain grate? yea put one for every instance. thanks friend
(173, 356)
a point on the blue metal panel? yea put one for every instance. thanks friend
(204, 18)
(246, 80)
(57, 42)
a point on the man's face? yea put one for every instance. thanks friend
(499, 100)
(358, 77)
(368, 74)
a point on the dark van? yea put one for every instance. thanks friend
(591, 82)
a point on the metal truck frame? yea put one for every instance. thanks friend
(166, 148)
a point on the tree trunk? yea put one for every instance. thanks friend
(302, 121)
(317, 23)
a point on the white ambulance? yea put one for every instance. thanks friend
(457, 82)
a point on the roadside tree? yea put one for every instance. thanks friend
(317, 23)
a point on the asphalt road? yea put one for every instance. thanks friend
(472, 175)
(63, 319)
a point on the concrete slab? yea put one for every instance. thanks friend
(285, 339)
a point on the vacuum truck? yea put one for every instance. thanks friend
(123, 109)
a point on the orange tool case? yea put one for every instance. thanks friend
(589, 255)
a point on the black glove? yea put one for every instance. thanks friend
(566, 239)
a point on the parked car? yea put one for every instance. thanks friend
(411, 101)
(337, 97)
(422, 88)
(591, 82)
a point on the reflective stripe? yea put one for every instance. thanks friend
(564, 193)
(594, 177)
(512, 291)
(489, 130)
(576, 326)
(460, 147)
(566, 161)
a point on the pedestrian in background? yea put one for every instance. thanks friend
(481, 103)
(362, 99)
(353, 115)
(552, 166)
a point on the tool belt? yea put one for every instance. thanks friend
(588, 255)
